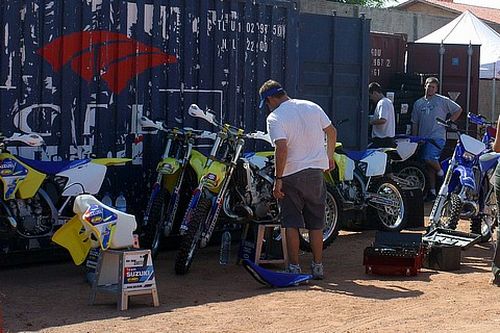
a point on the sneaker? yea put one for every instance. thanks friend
(495, 280)
(317, 271)
(293, 269)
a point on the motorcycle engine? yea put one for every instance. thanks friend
(29, 216)
(351, 191)
(252, 194)
(265, 205)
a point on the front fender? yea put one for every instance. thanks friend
(198, 161)
(466, 176)
(168, 166)
(213, 176)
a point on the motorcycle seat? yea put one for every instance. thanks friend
(489, 156)
(359, 155)
(50, 167)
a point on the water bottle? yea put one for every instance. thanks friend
(121, 203)
(225, 248)
(106, 200)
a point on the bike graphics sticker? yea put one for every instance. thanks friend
(102, 222)
(96, 215)
(12, 173)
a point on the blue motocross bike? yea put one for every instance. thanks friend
(467, 191)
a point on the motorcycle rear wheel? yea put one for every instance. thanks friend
(389, 218)
(415, 173)
(190, 241)
(333, 216)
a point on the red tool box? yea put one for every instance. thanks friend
(394, 254)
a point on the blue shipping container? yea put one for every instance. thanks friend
(81, 73)
(334, 71)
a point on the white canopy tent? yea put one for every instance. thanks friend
(467, 29)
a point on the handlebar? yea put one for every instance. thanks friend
(480, 120)
(186, 131)
(197, 112)
(449, 124)
(32, 139)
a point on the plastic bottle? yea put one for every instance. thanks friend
(121, 203)
(106, 200)
(225, 248)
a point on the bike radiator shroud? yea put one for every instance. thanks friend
(394, 254)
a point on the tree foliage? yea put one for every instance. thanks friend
(367, 3)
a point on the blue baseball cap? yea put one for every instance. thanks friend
(268, 93)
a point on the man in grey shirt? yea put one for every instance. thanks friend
(423, 117)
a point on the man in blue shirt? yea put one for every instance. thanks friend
(423, 118)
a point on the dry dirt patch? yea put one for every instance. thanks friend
(214, 298)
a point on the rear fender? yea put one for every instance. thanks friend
(111, 161)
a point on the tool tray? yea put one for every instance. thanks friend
(449, 237)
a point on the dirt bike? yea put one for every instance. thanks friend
(238, 184)
(408, 166)
(179, 169)
(37, 195)
(365, 191)
(467, 191)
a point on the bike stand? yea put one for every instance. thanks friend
(125, 273)
(261, 233)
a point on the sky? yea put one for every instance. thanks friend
(483, 3)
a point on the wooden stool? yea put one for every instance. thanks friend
(261, 231)
(125, 273)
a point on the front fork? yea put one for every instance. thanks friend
(437, 208)
(217, 201)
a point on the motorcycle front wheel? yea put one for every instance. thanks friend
(190, 241)
(388, 205)
(451, 212)
(153, 232)
(333, 216)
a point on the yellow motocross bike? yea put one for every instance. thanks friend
(37, 195)
(238, 184)
(178, 173)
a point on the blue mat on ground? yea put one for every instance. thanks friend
(274, 279)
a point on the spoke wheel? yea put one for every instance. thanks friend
(190, 241)
(391, 216)
(333, 213)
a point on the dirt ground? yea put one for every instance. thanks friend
(214, 298)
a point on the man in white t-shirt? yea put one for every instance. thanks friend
(297, 129)
(383, 121)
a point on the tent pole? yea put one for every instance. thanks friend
(441, 57)
(469, 65)
(493, 99)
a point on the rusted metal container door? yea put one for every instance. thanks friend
(387, 57)
(334, 71)
(425, 59)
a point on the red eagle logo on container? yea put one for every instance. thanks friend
(114, 57)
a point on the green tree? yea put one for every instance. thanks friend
(367, 3)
